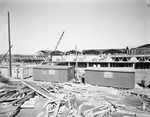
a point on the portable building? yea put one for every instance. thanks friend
(115, 77)
(30, 67)
(23, 72)
(15, 72)
(4, 69)
(53, 73)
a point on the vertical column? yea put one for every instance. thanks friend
(87, 64)
(133, 65)
(108, 64)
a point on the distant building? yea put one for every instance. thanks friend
(114, 51)
(56, 53)
(90, 52)
(141, 50)
(72, 52)
(43, 54)
(103, 51)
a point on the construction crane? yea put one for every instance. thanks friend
(59, 41)
(50, 59)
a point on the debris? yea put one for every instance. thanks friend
(39, 90)
(29, 104)
(39, 111)
(69, 99)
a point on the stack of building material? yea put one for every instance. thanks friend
(12, 97)
(68, 99)
(29, 104)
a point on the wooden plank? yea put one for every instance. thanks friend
(39, 90)
(29, 104)
(133, 113)
(50, 101)
(56, 109)
(39, 111)
(9, 110)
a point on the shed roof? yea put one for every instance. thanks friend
(52, 67)
(107, 69)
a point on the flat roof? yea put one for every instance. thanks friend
(113, 69)
(52, 67)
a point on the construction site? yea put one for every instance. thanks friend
(51, 88)
(88, 83)
(56, 91)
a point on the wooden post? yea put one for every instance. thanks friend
(10, 67)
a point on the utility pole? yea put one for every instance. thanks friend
(10, 68)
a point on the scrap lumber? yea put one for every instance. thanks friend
(39, 90)
(29, 104)
(56, 109)
(92, 109)
(142, 93)
(47, 111)
(23, 99)
(65, 113)
(50, 101)
(39, 111)
(9, 111)
(133, 113)
(15, 111)
(44, 88)
(52, 109)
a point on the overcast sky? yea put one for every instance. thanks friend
(89, 24)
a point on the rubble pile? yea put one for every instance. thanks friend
(47, 99)
(12, 97)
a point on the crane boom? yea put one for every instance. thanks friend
(59, 41)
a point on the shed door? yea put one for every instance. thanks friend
(20, 74)
(14, 73)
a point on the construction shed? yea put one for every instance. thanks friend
(53, 73)
(115, 77)
(4, 70)
(23, 72)
(30, 67)
(15, 72)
